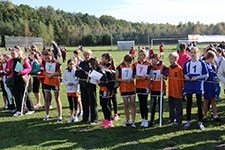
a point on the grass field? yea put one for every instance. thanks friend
(29, 132)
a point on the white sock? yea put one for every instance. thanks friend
(214, 116)
(199, 123)
(60, 118)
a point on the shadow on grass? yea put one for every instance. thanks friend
(52, 135)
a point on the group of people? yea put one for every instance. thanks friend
(187, 74)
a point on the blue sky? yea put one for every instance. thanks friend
(148, 11)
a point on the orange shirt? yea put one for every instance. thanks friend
(141, 70)
(126, 72)
(50, 68)
(176, 81)
(156, 82)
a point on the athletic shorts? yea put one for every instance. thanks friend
(50, 87)
(36, 85)
(75, 94)
(128, 94)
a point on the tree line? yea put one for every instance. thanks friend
(76, 28)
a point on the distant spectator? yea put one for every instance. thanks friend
(183, 57)
(222, 45)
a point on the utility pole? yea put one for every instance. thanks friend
(111, 42)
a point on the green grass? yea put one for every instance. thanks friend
(29, 132)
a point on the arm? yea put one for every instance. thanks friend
(205, 72)
(103, 80)
(27, 67)
(65, 81)
(221, 72)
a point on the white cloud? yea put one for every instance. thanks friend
(169, 11)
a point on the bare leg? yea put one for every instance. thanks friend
(59, 105)
(126, 108)
(214, 106)
(37, 96)
(133, 110)
(205, 107)
(47, 101)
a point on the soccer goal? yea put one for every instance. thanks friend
(125, 45)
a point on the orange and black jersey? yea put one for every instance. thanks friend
(155, 72)
(140, 70)
(104, 91)
(51, 68)
(106, 66)
(126, 72)
(176, 81)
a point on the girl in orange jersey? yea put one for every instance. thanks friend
(125, 75)
(157, 71)
(142, 69)
(52, 71)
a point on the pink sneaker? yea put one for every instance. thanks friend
(37, 105)
(116, 117)
(109, 125)
(105, 122)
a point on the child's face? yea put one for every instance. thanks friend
(87, 56)
(141, 57)
(211, 60)
(155, 61)
(1, 60)
(71, 65)
(127, 63)
(172, 60)
(14, 54)
(194, 54)
(48, 58)
(31, 56)
(217, 53)
(105, 61)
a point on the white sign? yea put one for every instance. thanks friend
(155, 75)
(127, 73)
(95, 76)
(50, 67)
(141, 70)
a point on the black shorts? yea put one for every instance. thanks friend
(36, 85)
(50, 87)
(128, 94)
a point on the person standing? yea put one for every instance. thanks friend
(88, 90)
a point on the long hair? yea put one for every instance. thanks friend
(94, 63)
(127, 58)
(36, 56)
(108, 56)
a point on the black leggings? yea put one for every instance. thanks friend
(72, 100)
(115, 105)
(104, 102)
(153, 106)
(143, 100)
(199, 104)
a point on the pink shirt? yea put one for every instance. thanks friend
(183, 57)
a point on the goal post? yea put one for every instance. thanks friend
(125, 45)
(165, 39)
